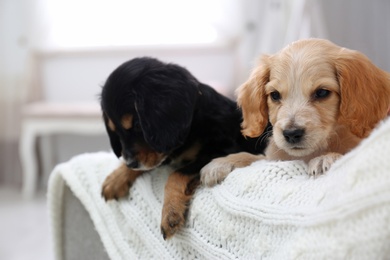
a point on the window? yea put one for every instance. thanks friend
(97, 23)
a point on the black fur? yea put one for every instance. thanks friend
(172, 111)
(157, 113)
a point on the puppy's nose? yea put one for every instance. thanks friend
(132, 164)
(293, 136)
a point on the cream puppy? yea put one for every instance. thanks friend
(321, 100)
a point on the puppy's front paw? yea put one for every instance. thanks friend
(321, 164)
(118, 183)
(172, 220)
(177, 196)
(218, 169)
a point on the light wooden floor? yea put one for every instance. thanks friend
(24, 227)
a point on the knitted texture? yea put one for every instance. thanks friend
(269, 210)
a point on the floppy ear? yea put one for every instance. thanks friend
(166, 116)
(114, 139)
(252, 99)
(364, 92)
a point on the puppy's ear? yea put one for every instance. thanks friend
(166, 116)
(364, 92)
(114, 139)
(252, 99)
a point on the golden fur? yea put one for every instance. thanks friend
(334, 95)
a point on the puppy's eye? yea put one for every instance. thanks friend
(275, 95)
(321, 93)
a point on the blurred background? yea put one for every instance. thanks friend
(56, 55)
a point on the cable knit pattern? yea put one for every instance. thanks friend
(269, 210)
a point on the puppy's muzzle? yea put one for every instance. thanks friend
(132, 164)
(293, 136)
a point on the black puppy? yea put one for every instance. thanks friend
(157, 113)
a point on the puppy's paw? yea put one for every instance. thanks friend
(218, 169)
(172, 220)
(115, 186)
(178, 192)
(118, 183)
(321, 164)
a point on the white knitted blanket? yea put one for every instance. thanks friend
(269, 210)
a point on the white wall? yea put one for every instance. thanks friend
(13, 63)
(361, 25)
(13, 66)
(78, 76)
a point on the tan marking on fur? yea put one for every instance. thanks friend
(176, 199)
(127, 121)
(111, 125)
(190, 154)
(117, 184)
(149, 158)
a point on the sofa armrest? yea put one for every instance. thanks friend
(80, 238)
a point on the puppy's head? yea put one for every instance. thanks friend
(309, 88)
(147, 109)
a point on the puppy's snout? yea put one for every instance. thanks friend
(293, 136)
(132, 164)
(130, 160)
